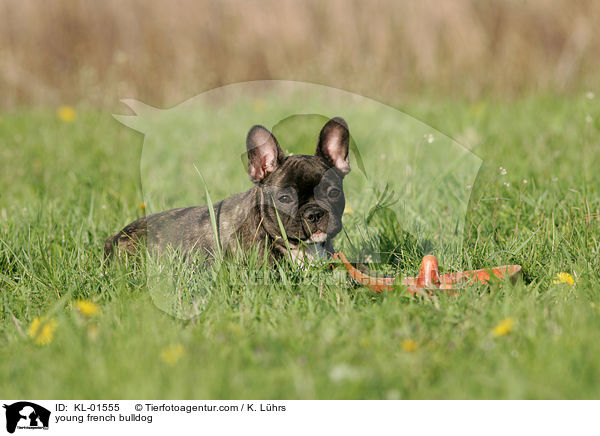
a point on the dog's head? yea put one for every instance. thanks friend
(305, 192)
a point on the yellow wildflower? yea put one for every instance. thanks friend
(348, 210)
(172, 354)
(66, 114)
(409, 345)
(142, 206)
(504, 327)
(564, 278)
(42, 330)
(87, 308)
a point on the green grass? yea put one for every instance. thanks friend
(64, 187)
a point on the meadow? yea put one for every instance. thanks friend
(73, 326)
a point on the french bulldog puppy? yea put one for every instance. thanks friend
(304, 192)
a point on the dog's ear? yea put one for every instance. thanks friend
(264, 153)
(334, 141)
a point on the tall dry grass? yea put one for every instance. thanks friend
(161, 52)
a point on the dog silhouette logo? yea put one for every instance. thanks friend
(26, 415)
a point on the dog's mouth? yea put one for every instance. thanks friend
(317, 237)
(310, 249)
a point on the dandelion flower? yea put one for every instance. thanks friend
(66, 114)
(348, 210)
(142, 206)
(564, 278)
(87, 308)
(409, 345)
(42, 330)
(504, 327)
(172, 354)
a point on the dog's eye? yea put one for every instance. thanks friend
(285, 199)
(334, 193)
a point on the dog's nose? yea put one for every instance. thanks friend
(313, 214)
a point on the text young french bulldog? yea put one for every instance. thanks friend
(306, 192)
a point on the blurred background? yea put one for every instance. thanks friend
(93, 53)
